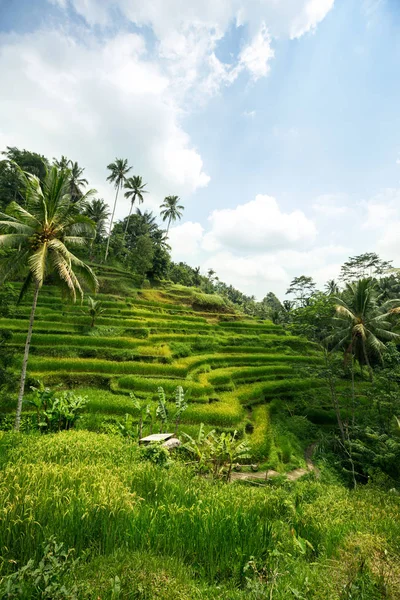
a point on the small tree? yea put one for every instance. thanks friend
(95, 309)
(217, 453)
(302, 288)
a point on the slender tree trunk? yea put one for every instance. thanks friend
(129, 217)
(25, 359)
(111, 224)
(371, 374)
(169, 223)
(334, 398)
(353, 393)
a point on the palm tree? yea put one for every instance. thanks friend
(62, 164)
(362, 324)
(40, 235)
(172, 211)
(119, 170)
(76, 181)
(135, 189)
(149, 220)
(97, 210)
(332, 288)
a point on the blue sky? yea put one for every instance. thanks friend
(276, 123)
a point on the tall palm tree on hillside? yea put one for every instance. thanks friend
(38, 238)
(62, 164)
(171, 210)
(134, 190)
(119, 170)
(76, 181)
(331, 287)
(97, 210)
(362, 324)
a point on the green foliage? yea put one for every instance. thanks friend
(209, 302)
(42, 580)
(95, 309)
(56, 411)
(217, 453)
(157, 454)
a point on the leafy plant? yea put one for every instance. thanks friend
(156, 453)
(56, 412)
(42, 580)
(217, 453)
(95, 309)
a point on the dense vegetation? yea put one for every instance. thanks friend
(287, 482)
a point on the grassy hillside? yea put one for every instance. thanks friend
(171, 336)
(142, 531)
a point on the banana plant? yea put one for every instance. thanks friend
(181, 406)
(143, 410)
(162, 409)
(217, 453)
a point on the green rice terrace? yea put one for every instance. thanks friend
(230, 367)
(90, 514)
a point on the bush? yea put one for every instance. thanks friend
(42, 580)
(156, 453)
(209, 302)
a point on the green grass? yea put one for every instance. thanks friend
(123, 516)
(87, 365)
(138, 384)
(43, 339)
(266, 391)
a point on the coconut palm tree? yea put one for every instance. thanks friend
(362, 324)
(39, 237)
(134, 190)
(171, 210)
(97, 210)
(119, 170)
(62, 164)
(76, 181)
(332, 288)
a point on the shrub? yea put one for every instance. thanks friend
(156, 453)
(56, 411)
(209, 302)
(42, 580)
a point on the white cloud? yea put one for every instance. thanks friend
(185, 241)
(331, 205)
(310, 14)
(258, 226)
(94, 101)
(187, 33)
(249, 114)
(256, 56)
(382, 209)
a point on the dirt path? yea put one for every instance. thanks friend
(291, 475)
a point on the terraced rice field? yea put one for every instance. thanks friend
(231, 367)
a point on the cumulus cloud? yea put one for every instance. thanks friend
(259, 225)
(188, 33)
(185, 241)
(94, 101)
(255, 56)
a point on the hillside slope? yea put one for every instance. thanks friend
(231, 367)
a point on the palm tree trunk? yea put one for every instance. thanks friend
(169, 223)
(370, 371)
(129, 216)
(25, 359)
(111, 224)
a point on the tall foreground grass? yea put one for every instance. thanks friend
(93, 493)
